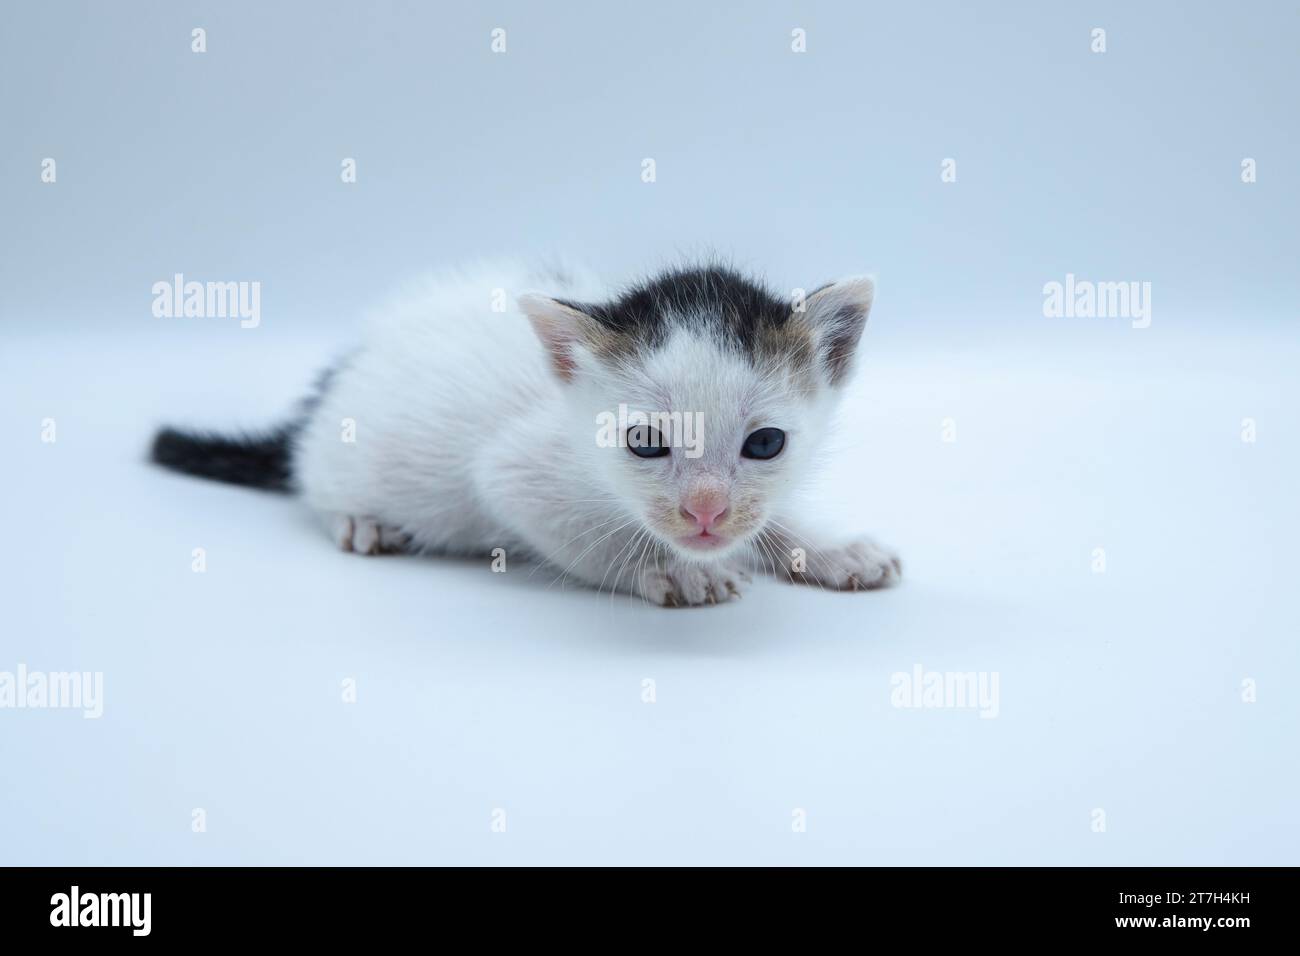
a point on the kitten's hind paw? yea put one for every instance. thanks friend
(693, 585)
(363, 535)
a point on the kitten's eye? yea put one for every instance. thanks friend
(764, 443)
(646, 442)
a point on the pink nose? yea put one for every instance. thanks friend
(705, 514)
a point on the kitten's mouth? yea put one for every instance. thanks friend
(704, 541)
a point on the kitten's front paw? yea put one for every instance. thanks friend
(861, 565)
(693, 585)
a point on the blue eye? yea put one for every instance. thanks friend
(764, 444)
(646, 442)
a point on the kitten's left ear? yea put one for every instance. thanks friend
(561, 327)
(835, 314)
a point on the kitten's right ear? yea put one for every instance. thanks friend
(561, 328)
(836, 314)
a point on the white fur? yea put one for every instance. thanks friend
(467, 440)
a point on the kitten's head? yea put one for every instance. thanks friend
(698, 397)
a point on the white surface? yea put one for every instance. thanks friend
(477, 691)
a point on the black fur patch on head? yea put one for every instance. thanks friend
(711, 300)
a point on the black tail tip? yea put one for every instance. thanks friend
(256, 461)
(169, 447)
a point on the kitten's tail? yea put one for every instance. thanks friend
(259, 461)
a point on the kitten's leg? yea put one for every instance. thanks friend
(679, 584)
(802, 558)
(364, 535)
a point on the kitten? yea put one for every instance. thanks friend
(646, 442)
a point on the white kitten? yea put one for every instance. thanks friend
(645, 441)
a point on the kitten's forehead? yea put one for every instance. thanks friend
(714, 306)
(701, 374)
(717, 388)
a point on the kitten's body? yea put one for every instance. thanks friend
(457, 429)
(450, 400)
